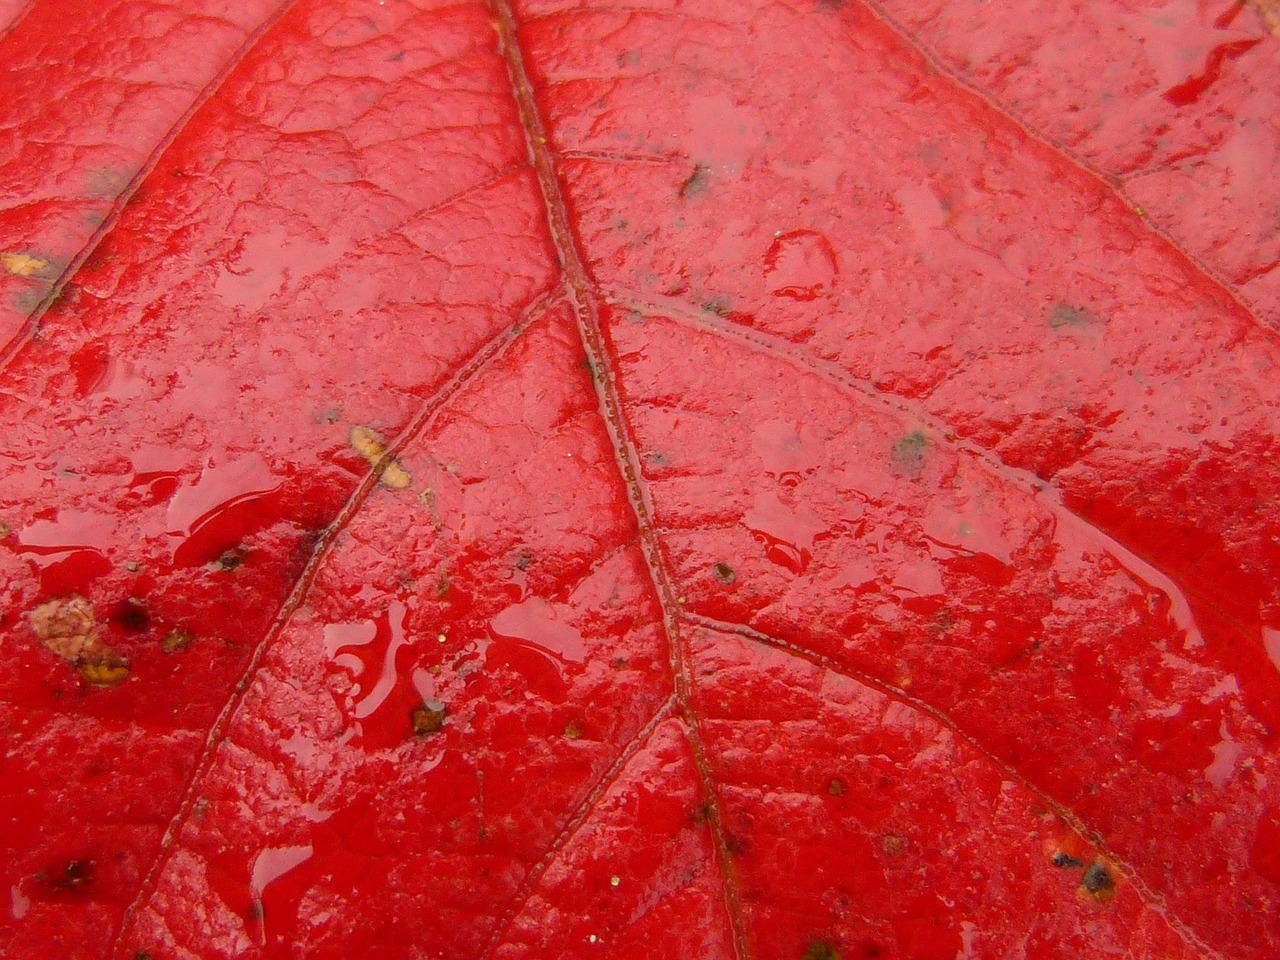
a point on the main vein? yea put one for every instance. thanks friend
(585, 299)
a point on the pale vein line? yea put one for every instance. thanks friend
(465, 374)
(1153, 899)
(1111, 182)
(575, 823)
(32, 323)
(623, 156)
(585, 299)
(1138, 566)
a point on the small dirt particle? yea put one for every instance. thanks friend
(724, 573)
(836, 787)
(428, 718)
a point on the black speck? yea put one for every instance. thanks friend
(724, 573)
(1066, 861)
(1097, 881)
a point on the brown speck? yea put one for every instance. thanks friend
(230, 559)
(369, 445)
(572, 731)
(1066, 861)
(428, 718)
(893, 844)
(1097, 882)
(820, 950)
(908, 452)
(724, 573)
(696, 182)
(836, 787)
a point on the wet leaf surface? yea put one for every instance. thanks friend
(717, 479)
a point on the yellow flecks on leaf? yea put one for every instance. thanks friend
(23, 264)
(369, 445)
(67, 627)
(175, 640)
(105, 674)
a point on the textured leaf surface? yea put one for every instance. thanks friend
(715, 479)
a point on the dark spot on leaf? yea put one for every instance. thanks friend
(428, 718)
(130, 615)
(717, 305)
(696, 182)
(724, 573)
(230, 559)
(73, 877)
(1066, 861)
(703, 813)
(908, 451)
(820, 950)
(836, 787)
(1061, 315)
(1097, 882)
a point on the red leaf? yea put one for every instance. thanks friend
(720, 480)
